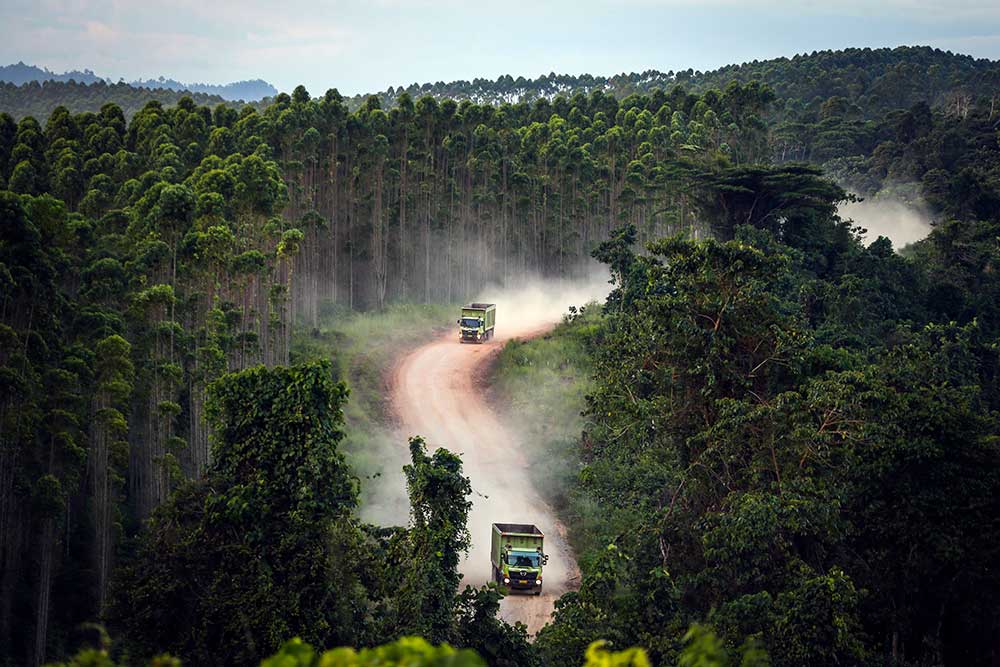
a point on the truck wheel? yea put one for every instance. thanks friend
(538, 592)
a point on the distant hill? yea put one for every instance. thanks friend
(249, 91)
(873, 79)
(20, 73)
(246, 91)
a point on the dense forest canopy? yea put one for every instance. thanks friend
(874, 79)
(793, 434)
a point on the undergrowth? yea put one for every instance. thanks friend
(542, 384)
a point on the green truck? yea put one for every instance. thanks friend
(478, 322)
(517, 557)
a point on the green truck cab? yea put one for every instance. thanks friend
(478, 322)
(516, 556)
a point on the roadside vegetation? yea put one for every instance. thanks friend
(362, 348)
(540, 386)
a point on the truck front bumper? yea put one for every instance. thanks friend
(524, 585)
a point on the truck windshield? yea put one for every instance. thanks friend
(471, 322)
(523, 558)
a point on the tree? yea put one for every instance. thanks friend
(439, 507)
(113, 371)
(263, 547)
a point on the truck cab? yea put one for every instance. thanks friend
(472, 328)
(523, 569)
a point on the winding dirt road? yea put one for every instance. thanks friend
(438, 392)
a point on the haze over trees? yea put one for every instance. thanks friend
(39, 100)
(251, 90)
(793, 434)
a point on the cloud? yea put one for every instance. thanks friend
(100, 32)
(917, 10)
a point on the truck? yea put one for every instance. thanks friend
(517, 557)
(477, 323)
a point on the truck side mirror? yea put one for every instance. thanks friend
(458, 321)
(545, 559)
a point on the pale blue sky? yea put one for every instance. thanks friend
(366, 46)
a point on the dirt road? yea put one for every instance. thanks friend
(438, 393)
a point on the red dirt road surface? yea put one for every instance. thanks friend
(438, 393)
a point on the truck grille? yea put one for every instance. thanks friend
(516, 575)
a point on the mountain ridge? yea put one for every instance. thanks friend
(249, 90)
(923, 71)
(865, 80)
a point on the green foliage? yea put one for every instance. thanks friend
(761, 474)
(363, 347)
(439, 508)
(404, 652)
(277, 432)
(544, 382)
(263, 547)
(598, 656)
(478, 627)
(703, 650)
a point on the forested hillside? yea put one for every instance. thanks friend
(870, 81)
(877, 80)
(246, 91)
(792, 435)
(39, 100)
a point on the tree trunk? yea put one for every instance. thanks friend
(43, 593)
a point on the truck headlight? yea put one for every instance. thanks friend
(538, 582)
(506, 580)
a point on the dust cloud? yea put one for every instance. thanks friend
(900, 222)
(532, 303)
(438, 392)
(526, 307)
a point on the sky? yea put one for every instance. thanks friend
(361, 47)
